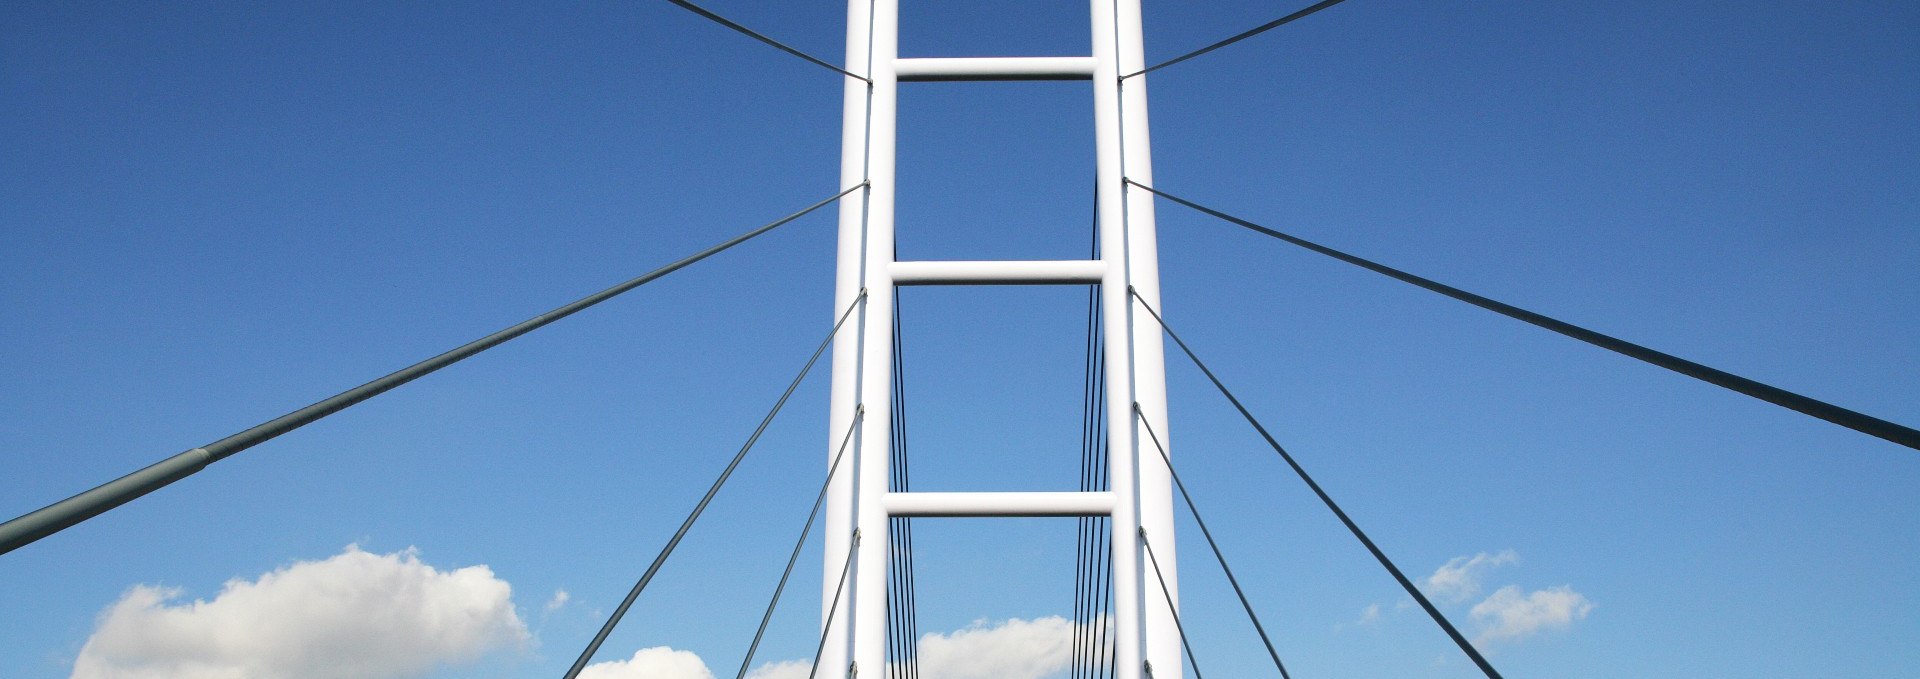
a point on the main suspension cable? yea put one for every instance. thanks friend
(1222, 558)
(1406, 584)
(60, 515)
(1865, 424)
(586, 655)
(859, 413)
(696, 9)
(1276, 23)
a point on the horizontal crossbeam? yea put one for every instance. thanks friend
(994, 68)
(999, 504)
(1012, 272)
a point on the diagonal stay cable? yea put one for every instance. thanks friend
(702, 11)
(654, 568)
(859, 413)
(1865, 424)
(1171, 608)
(1406, 584)
(852, 546)
(1191, 508)
(60, 515)
(1262, 28)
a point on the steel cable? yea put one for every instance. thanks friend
(586, 655)
(859, 413)
(852, 546)
(1406, 584)
(1191, 508)
(1865, 424)
(1276, 23)
(1171, 608)
(58, 516)
(696, 9)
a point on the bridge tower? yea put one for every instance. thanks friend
(1146, 634)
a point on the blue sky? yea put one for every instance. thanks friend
(210, 215)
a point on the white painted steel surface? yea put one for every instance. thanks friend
(1149, 367)
(1134, 370)
(867, 591)
(848, 280)
(999, 504)
(1122, 450)
(994, 68)
(1031, 272)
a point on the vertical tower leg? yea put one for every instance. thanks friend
(1149, 367)
(849, 279)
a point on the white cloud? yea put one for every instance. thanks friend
(1507, 614)
(788, 669)
(1369, 615)
(1015, 649)
(560, 598)
(353, 616)
(659, 662)
(1459, 579)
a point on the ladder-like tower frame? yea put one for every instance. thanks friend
(1146, 635)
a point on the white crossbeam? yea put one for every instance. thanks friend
(1029, 272)
(994, 68)
(999, 504)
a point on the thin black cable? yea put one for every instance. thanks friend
(1171, 608)
(696, 9)
(1222, 558)
(1865, 424)
(61, 515)
(907, 622)
(1082, 662)
(853, 545)
(859, 413)
(1406, 584)
(586, 655)
(1276, 23)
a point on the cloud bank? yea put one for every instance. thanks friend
(352, 616)
(1012, 649)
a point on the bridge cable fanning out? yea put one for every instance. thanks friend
(1217, 555)
(853, 546)
(1192, 660)
(1091, 656)
(859, 413)
(1865, 424)
(1438, 618)
(53, 518)
(903, 629)
(586, 655)
(1262, 28)
(702, 11)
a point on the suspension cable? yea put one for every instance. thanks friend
(696, 9)
(58, 516)
(1171, 608)
(852, 546)
(903, 626)
(1257, 627)
(859, 413)
(1088, 659)
(1276, 23)
(1865, 424)
(1406, 584)
(620, 612)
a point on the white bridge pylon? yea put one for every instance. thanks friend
(1141, 496)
